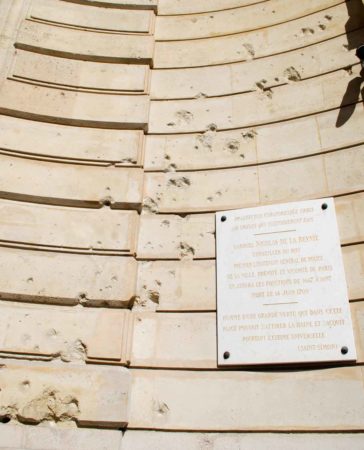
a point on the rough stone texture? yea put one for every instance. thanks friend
(71, 334)
(34, 393)
(53, 277)
(67, 229)
(263, 106)
(158, 440)
(17, 437)
(329, 399)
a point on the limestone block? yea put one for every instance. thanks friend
(279, 38)
(210, 149)
(214, 149)
(188, 340)
(202, 191)
(344, 170)
(85, 45)
(327, 400)
(174, 237)
(293, 180)
(129, 4)
(191, 285)
(270, 71)
(81, 75)
(67, 229)
(49, 277)
(120, 20)
(159, 440)
(74, 108)
(16, 437)
(172, 7)
(308, 135)
(71, 334)
(350, 217)
(93, 395)
(179, 27)
(176, 285)
(81, 144)
(253, 108)
(354, 269)
(67, 184)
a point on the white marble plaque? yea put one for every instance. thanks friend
(281, 289)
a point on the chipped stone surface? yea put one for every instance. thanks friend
(33, 393)
(174, 237)
(70, 334)
(180, 285)
(63, 278)
(43, 437)
(275, 39)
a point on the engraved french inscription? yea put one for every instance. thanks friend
(281, 289)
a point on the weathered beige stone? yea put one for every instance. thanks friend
(16, 437)
(67, 184)
(90, 17)
(214, 149)
(237, 20)
(80, 75)
(49, 277)
(72, 334)
(176, 285)
(67, 229)
(354, 270)
(159, 440)
(331, 399)
(33, 393)
(47, 141)
(344, 170)
(253, 108)
(201, 191)
(132, 4)
(210, 149)
(245, 76)
(256, 44)
(73, 108)
(172, 7)
(191, 285)
(157, 339)
(85, 45)
(174, 237)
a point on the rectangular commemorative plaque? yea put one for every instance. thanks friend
(281, 289)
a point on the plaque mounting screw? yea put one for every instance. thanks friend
(226, 355)
(223, 218)
(324, 206)
(344, 350)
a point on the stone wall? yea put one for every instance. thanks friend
(125, 125)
